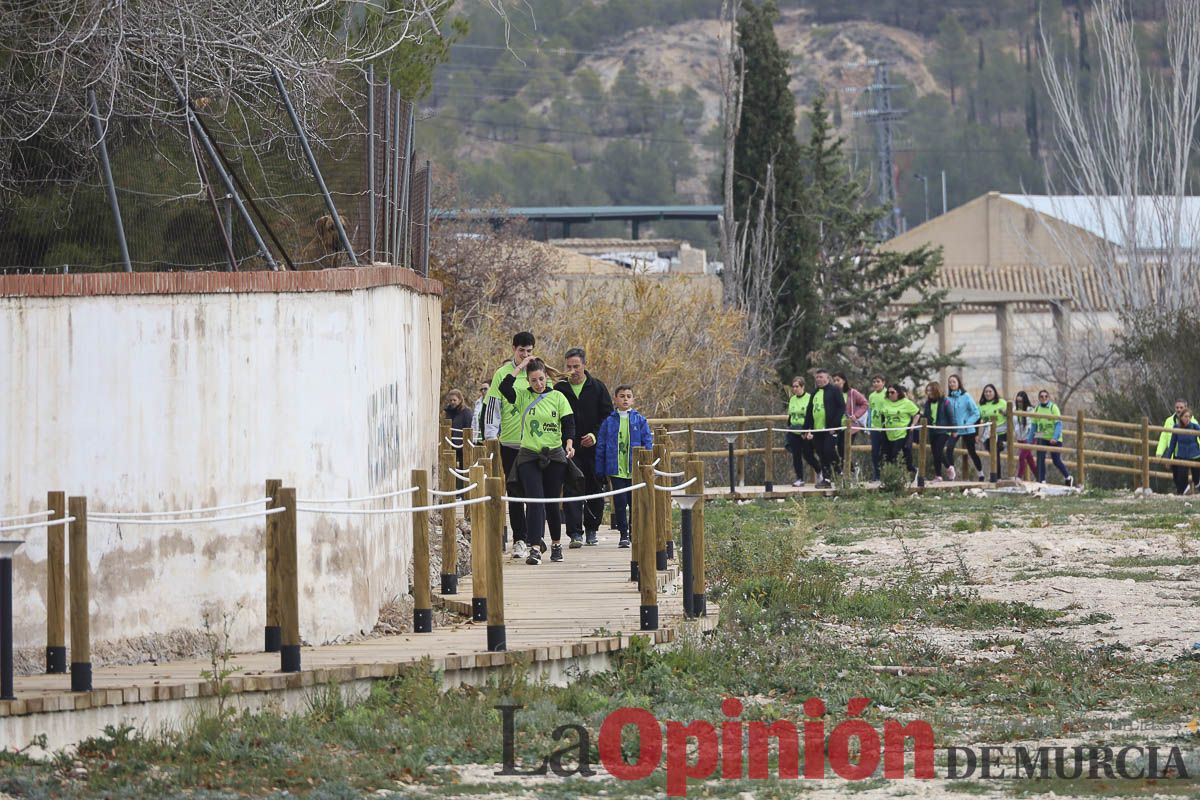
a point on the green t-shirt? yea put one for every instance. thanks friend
(624, 461)
(995, 412)
(510, 415)
(817, 398)
(797, 408)
(576, 387)
(541, 426)
(1045, 427)
(897, 414)
(875, 401)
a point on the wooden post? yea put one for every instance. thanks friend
(661, 501)
(667, 466)
(1012, 441)
(638, 459)
(1145, 454)
(496, 637)
(479, 525)
(56, 585)
(993, 451)
(648, 612)
(922, 451)
(1080, 465)
(769, 459)
(848, 452)
(449, 575)
(691, 439)
(271, 635)
(81, 633)
(741, 459)
(495, 464)
(289, 584)
(422, 602)
(468, 447)
(695, 469)
(446, 462)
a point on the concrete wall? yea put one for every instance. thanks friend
(149, 392)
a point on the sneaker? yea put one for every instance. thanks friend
(1187, 489)
(556, 551)
(624, 541)
(576, 542)
(520, 549)
(936, 479)
(981, 478)
(1071, 481)
(820, 477)
(535, 556)
(798, 482)
(593, 538)
(824, 484)
(951, 474)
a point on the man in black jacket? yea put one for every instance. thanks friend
(825, 410)
(592, 404)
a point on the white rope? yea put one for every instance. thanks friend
(396, 493)
(266, 512)
(683, 485)
(548, 500)
(368, 512)
(454, 492)
(112, 515)
(655, 462)
(20, 517)
(748, 430)
(46, 524)
(450, 442)
(662, 474)
(673, 433)
(459, 474)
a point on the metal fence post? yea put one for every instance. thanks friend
(114, 204)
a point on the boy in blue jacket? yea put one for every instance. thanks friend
(1183, 447)
(622, 431)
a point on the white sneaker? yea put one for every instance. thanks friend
(820, 477)
(982, 478)
(1187, 489)
(950, 473)
(520, 549)
(798, 483)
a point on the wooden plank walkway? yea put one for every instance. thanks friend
(759, 492)
(582, 606)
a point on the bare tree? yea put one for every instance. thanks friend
(1124, 152)
(221, 53)
(731, 77)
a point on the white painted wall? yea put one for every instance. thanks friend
(164, 401)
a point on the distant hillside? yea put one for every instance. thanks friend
(616, 101)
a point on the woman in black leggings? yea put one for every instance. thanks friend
(936, 413)
(547, 444)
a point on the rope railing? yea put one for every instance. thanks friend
(683, 485)
(364, 498)
(455, 443)
(551, 500)
(266, 512)
(129, 515)
(371, 512)
(31, 525)
(662, 474)
(452, 492)
(20, 517)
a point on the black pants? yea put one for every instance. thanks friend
(1055, 457)
(824, 445)
(877, 441)
(937, 444)
(1181, 477)
(516, 511)
(585, 514)
(968, 443)
(894, 447)
(539, 482)
(621, 504)
(802, 453)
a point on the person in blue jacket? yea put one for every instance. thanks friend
(964, 414)
(620, 433)
(1185, 448)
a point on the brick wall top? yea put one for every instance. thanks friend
(343, 279)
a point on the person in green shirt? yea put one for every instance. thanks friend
(874, 401)
(993, 410)
(1164, 438)
(896, 415)
(547, 433)
(502, 420)
(800, 448)
(1048, 432)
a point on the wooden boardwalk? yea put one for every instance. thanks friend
(759, 492)
(582, 607)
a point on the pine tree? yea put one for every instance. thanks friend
(860, 288)
(767, 136)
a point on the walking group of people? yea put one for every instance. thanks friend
(569, 438)
(818, 417)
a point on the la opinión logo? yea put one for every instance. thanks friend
(853, 750)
